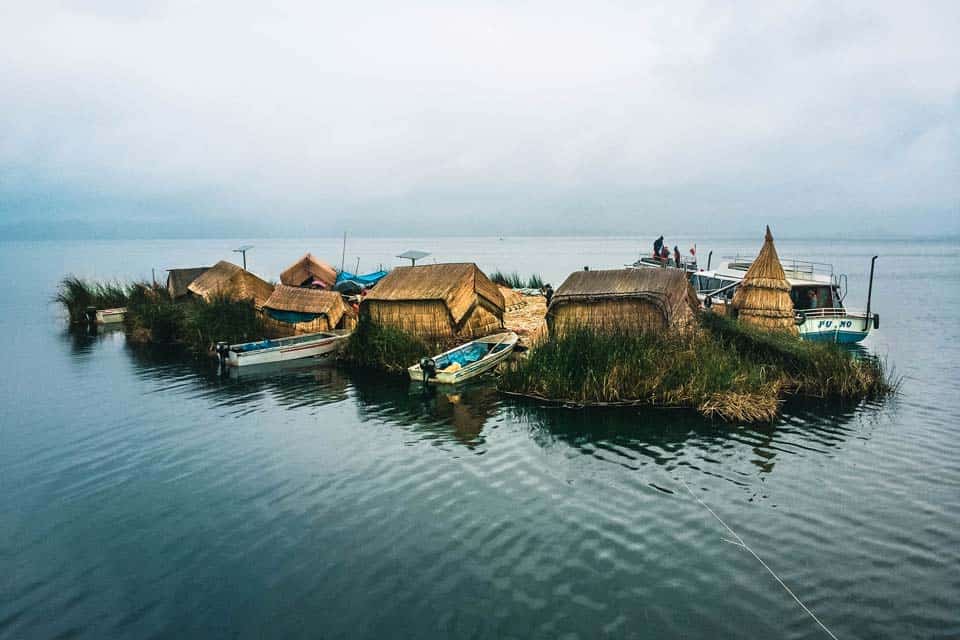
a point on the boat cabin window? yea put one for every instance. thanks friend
(816, 297)
(702, 283)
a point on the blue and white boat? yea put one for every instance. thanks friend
(320, 346)
(466, 361)
(817, 294)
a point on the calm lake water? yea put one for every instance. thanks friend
(145, 496)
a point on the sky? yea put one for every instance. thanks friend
(232, 119)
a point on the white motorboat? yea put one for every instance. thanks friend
(817, 295)
(322, 346)
(466, 361)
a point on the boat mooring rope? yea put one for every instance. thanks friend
(740, 543)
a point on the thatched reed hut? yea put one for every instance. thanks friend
(627, 300)
(307, 270)
(179, 279)
(763, 297)
(308, 310)
(437, 301)
(225, 278)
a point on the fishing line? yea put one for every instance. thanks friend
(740, 543)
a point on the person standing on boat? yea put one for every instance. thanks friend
(676, 256)
(657, 246)
(664, 255)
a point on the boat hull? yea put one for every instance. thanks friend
(472, 370)
(841, 328)
(111, 316)
(324, 348)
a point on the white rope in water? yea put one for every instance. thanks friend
(740, 543)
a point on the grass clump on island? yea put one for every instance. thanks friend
(722, 369)
(76, 294)
(514, 281)
(385, 348)
(153, 317)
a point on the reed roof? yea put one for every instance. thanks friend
(227, 278)
(457, 285)
(307, 268)
(300, 300)
(763, 297)
(624, 299)
(668, 284)
(179, 279)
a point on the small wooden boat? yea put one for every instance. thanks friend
(322, 345)
(466, 361)
(111, 316)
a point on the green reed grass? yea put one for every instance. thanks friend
(76, 294)
(513, 280)
(722, 370)
(222, 318)
(820, 369)
(152, 316)
(384, 348)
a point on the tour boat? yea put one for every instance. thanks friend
(111, 316)
(322, 346)
(466, 361)
(817, 295)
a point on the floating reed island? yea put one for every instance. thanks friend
(623, 337)
(632, 337)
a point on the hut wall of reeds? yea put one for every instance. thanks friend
(437, 301)
(308, 310)
(307, 269)
(763, 297)
(225, 278)
(623, 300)
(179, 279)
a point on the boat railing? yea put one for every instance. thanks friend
(798, 269)
(687, 264)
(832, 312)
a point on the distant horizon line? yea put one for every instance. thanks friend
(733, 236)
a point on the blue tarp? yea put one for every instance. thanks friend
(291, 317)
(366, 280)
(467, 355)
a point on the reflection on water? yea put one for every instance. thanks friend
(440, 413)
(148, 495)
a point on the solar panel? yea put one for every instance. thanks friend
(414, 255)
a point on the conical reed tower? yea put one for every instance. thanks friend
(763, 298)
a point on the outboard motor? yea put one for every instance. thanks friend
(223, 350)
(90, 317)
(429, 368)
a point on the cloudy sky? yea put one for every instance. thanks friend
(124, 118)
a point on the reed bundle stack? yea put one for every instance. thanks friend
(308, 310)
(512, 300)
(627, 301)
(308, 269)
(437, 301)
(763, 297)
(227, 279)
